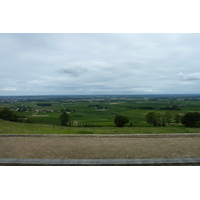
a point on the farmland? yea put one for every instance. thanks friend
(100, 111)
(90, 133)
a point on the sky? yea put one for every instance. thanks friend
(99, 63)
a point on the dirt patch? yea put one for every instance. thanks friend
(98, 147)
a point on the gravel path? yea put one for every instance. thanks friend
(100, 146)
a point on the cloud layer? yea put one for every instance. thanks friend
(189, 77)
(37, 64)
(73, 71)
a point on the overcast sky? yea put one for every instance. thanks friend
(76, 64)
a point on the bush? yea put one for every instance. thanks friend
(121, 120)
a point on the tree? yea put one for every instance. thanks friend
(162, 120)
(177, 118)
(191, 119)
(121, 120)
(168, 117)
(153, 118)
(64, 118)
(6, 113)
(9, 115)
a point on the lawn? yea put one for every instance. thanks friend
(7, 127)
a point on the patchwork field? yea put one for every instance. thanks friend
(100, 110)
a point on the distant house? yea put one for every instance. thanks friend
(49, 110)
(43, 111)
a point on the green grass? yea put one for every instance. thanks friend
(7, 127)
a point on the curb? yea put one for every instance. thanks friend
(100, 162)
(171, 135)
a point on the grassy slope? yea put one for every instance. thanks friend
(23, 128)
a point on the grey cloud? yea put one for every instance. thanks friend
(9, 89)
(143, 90)
(73, 71)
(181, 75)
(36, 82)
(21, 82)
(189, 77)
(102, 63)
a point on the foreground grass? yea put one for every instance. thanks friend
(7, 127)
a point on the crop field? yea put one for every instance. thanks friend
(100, 110)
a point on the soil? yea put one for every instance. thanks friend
(94, 147)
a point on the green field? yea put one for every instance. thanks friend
(100, 112)
(7, 127)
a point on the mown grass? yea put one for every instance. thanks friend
(7, 127)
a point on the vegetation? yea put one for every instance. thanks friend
(64, 118)
(168, 117)
(177, 118)
(191, 119)
(7, 114)
(43, 104)
(121, 120)
(100, 111)
(158, 119)
(153, 118)
(173, 107)
(8, 127)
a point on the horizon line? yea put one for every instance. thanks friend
(98, 94)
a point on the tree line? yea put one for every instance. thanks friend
(190, 119)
